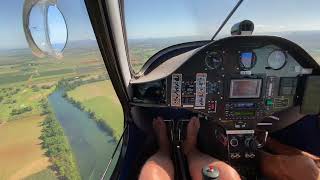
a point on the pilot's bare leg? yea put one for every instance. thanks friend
(159, 166)
(198, 160)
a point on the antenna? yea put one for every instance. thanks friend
(227, 18)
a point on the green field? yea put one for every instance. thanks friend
(100, 98)
(13, 78)
(55, 72)
(21, 97)
(46, 174)
(138, 56)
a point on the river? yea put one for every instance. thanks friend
(91, 145)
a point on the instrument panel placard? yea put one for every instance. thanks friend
(176, 84)
(201, 86)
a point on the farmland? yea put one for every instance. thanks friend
(25, 82)
(20, 149)
(22, 97)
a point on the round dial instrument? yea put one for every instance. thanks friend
(277, 59)
(247, 60)
(213, 60)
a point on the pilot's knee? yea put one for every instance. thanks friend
(155, 171)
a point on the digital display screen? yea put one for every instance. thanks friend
(246, 59)
(245, 88)
(244, 113)
(244, 105)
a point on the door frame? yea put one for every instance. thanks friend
(106, 20)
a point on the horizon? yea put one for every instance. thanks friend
(172, 37)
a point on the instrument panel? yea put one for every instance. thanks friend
(233, 84)
(236, 81)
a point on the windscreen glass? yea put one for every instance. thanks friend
(152, 25)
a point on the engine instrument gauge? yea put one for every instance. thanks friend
(213, 60)
(277, 59)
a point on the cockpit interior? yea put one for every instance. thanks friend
(241, 88)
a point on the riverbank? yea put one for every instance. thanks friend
(91, 145)
(57, 146)
(100, 101)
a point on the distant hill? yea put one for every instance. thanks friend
(308, 39)
(146, 47)
(160, 43)
(82, 44)
(15, 56)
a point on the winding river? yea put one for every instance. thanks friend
(91, 145)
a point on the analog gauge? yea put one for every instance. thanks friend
(213, 60)
(247, 60)
(277, 59)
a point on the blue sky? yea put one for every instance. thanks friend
(153, 18)
(167, 18)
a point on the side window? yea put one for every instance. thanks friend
(60, 117)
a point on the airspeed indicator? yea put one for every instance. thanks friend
(277, 59)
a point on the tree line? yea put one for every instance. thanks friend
(69, 84)
(57, 146)
(92, 115)
(20, 110)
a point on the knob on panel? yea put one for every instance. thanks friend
(234, 142)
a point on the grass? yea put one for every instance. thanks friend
(46, 174)
(55, 72)
(100, 98)
(25, 97)
(13, 78)
(138, 56)
(20, 150)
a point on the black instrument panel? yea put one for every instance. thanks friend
(233, 79)
(219, 82)
(234, 83)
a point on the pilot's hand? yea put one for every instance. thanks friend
(289, 163)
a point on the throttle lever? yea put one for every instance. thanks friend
(261, 137)
(170, 126)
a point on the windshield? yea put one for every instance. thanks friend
(152, 25)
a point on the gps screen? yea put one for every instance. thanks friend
(245, 88)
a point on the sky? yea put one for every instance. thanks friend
(168, 18)
(154, 18)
